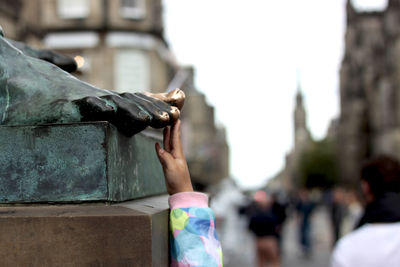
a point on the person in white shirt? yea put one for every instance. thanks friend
(376, 240)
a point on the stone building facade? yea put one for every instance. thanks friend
(127, 34)
(9, 19)
(19, 20)
(369, 122)
(119, 44)
(205, 143)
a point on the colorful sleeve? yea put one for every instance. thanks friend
(194, 240)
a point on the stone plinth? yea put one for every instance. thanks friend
(75, 163)
(131, 234)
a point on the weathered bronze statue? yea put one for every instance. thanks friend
(34, 91)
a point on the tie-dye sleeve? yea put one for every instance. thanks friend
(193, 240)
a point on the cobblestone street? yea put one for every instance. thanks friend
(291, 254)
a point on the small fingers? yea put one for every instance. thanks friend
(176, 143)
(167, 139)
(164, 157)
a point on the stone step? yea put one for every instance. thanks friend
(76, 162)
(134, 233)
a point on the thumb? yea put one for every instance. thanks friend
(164, 157)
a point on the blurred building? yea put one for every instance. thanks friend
(119, 45)
(288, 177)
(369, 122)
(205, 143)
(9, 11)
(18, 21)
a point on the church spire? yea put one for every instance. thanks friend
(299, 112)
(299, 94)
(301, 133)
(299, 97)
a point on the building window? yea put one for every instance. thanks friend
(131, 71)
(73, 9)
(71, 40)
(133, 9)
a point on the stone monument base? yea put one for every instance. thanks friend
(77, 162)
(133, 233)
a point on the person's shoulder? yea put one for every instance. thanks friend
(352, 238)
(346, 247)
(363, 242)
(368, 232)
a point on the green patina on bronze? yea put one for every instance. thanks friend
(130, 157)
(34, 91)
(76, 162)
(49, 155)
(64, 62)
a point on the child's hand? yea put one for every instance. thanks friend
(176, 172)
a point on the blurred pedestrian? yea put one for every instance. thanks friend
(353, 212)
(279, 207)
(338, 210)
(376, 241)
(263, 223)
(305, 207)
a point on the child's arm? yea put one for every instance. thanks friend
(176, 172)
(194, 241)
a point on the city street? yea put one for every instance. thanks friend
(244, 254)
(321, 237)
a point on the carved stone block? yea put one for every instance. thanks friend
(134, 233)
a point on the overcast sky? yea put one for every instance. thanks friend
(247, 55)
